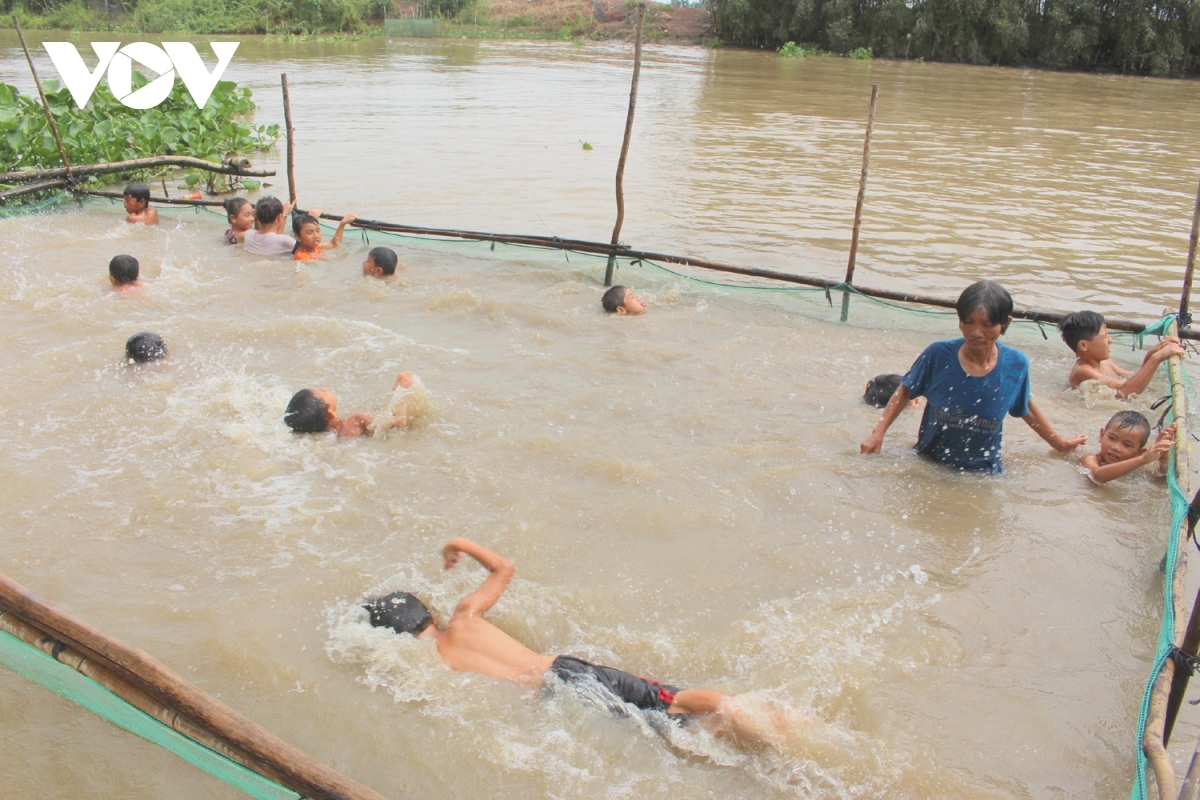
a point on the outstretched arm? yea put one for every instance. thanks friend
(1042, 427)
(483, 598)
(898, 403)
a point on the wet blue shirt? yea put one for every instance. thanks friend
(964, 415)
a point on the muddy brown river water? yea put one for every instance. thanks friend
(682, 492)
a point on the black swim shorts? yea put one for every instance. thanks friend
(644, 694)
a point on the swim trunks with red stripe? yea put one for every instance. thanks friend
(644, 694)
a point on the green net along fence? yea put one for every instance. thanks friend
(31, 663)
(821, 303)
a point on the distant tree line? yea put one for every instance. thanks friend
(1143, 37)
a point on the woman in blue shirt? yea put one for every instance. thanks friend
(971, 384)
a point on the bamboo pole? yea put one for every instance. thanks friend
(150, 162)
(302, 773)
(1191, 640)
(1153, 739)
(291, 137)
(858, 204)
(31, 188)
(1191, 782)
(1185, 297)
(633, 87)
(45, 103)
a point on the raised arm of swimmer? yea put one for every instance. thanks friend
(895, 406)
(483, 598)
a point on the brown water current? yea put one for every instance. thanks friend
(681, 492)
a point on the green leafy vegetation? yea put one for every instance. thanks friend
(106, 131)
(863, 53)
(791, 50)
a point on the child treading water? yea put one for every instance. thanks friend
(241, 219)
(1123, 447)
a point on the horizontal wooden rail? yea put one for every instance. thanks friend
(188, 162)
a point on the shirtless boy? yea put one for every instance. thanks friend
(315, 411)
(622, 300)
(137, 204)
(469, 643)
(1087, 335)
(1123, 448)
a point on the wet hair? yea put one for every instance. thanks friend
(138, 191)
(993, 298)
(1130, 420)
(123, 269)
(234, 205)
(1079, 326)
(384, 258)
(613, 299)
(298, 222)
(267, 210)
(881, 388)
(145, 346)
(400, 611)
(307, 413)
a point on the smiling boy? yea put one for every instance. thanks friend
(1123, 447)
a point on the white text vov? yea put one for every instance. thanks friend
(172, 57)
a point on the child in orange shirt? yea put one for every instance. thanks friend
(308, 236)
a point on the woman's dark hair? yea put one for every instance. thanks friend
(267, 210)
(145, 346)
(400, 611)
(123, 269)
(138, 191)
(384, 258)
(993, 298)
(299, 222)
(306, 413)
(234, 205)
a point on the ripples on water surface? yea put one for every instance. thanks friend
(681, 491)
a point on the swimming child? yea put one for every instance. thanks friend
(267, 238)
(469, 643)
(241, 219)
(1123, 447)
(308, 236)
(123, 272)
(145, 346)
(137, 204)
(621, 300)
(881, 388)
(1087, 336)
(381, 262)
(315, 411)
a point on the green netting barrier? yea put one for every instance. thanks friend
(43, 670)
(53, 201)
(1166, 631)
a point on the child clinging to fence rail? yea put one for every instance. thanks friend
(267, 238)
(137, 204)
(1087, 335)
(1123, 447)
(308, 235)
(240, 212)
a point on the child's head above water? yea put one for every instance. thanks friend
(145, 346)
(381, 262)
(267, 210)
(400, 611)
(137, 197)
(240, 213)
(310, 411)
(622, 300)
(123, 270)
(881, 388)
(1086, 334)
(308, 231)
(1124, 436)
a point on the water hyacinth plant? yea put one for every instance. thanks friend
(106, 131)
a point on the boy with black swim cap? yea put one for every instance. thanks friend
(469, 643)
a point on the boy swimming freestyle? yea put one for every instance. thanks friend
(137, 204)
(1087, 336)
(469, 643)
(622, 300)
(1123, 447)
(380, 263)
(308, 236)
(315, 411)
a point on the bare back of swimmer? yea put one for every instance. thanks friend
(469, 643)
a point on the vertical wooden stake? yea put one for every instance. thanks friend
(637, 69)
(291, 137)
(1191, 264)
(45, 104)
(858, 206)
